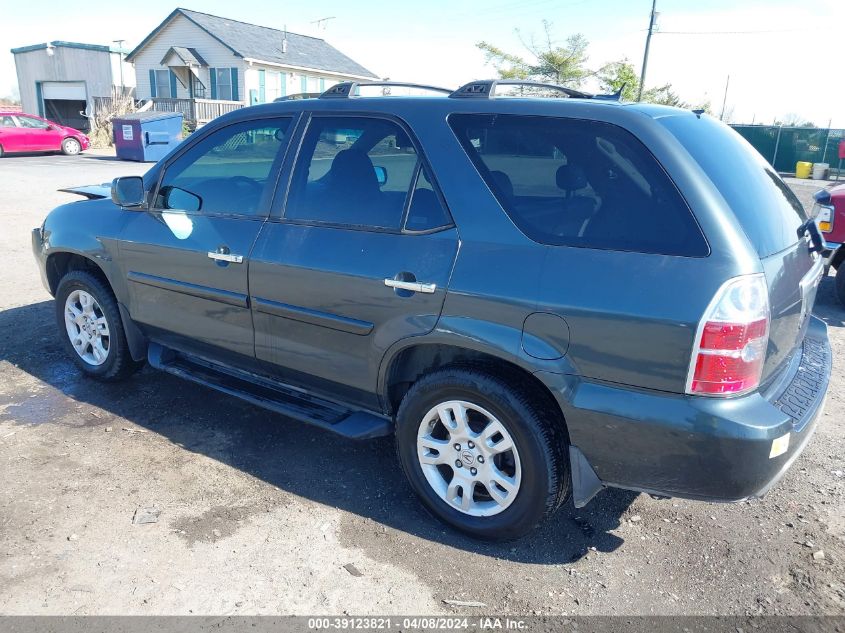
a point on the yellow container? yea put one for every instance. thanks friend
(803, 169)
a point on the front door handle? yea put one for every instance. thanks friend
(226, 257)
(412, 286)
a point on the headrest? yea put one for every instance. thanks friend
(570, 178)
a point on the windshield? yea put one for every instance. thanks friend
(764, 205)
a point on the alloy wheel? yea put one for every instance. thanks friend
(87, 327)
(469, 458)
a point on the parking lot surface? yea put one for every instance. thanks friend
(158, 496)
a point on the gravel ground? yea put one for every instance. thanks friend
(256, 514)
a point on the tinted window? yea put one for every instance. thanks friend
(426, 211)
(579, 183)
(7, 121)
(764, 205)
(354, 172)
(229, 171)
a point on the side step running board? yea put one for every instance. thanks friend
(287, 401)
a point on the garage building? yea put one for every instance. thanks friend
(61, 81)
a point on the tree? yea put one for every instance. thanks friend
(565, 65)
(617, 76)
(794, 120)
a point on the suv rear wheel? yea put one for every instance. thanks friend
(91, 329)
(483, 455)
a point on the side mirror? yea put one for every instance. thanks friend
(381, 174)
(128, 191)
(180, 199)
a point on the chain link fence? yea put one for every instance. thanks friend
(784, 146)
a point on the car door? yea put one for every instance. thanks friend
(39, 135)
(359, 258)
(185, 259)
(12, 136)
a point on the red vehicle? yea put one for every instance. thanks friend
(29, 133)
(830, 217)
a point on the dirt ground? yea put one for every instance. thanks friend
(252, 513)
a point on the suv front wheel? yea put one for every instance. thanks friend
(483, 454)
(91, 329)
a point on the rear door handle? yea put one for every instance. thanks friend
(226, 257)
(412, 286)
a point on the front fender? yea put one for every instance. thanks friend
(90, 229)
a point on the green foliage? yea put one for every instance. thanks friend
(567, 65)
(561, 64)
(617, 76)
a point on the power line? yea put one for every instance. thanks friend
(731, 32)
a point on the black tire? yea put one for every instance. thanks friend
(532, 425)
(71, 147)
(839, 282)
(118, 364)
(1, 151)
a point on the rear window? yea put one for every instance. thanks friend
(766, 208)
(571, 182)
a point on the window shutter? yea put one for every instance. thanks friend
(303, 83)
(283, 81)
(262, 86)
(152, 83)
(212, 73)
(172, 85)
(322, 85)
(235, 96)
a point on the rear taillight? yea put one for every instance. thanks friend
(731, 340)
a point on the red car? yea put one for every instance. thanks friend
(830, 218)
(29, 133)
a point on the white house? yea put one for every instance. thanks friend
(213, 64)
(63, 80)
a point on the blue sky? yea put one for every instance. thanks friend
(771, 48)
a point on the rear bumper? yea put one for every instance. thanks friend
(714, 449)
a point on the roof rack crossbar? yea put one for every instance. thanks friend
(347, 89)
(297, 96)
(486, 89)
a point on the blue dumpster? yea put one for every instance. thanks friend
(146, 136)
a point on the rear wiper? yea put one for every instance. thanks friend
(817, 242)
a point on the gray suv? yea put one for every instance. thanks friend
(537, 297)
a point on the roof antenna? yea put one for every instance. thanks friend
(285, 40)
(616, 96)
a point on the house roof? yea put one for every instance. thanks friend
(263, 43)
(189, 56)
(58, 43)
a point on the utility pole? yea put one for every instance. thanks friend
(725, 100)
(647, 44)
(120, 55)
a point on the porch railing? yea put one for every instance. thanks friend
(200, 111)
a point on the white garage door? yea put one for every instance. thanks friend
(74, 91)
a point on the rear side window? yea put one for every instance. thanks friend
(571, 182)
(764, 205)
(353, 171)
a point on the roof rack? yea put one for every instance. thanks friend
(347, 89)
(486, 89)
(297, 96)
